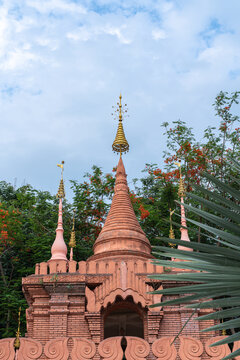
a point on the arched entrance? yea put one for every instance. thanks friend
(123, 318)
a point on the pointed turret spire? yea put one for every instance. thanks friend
(171, 231)
(182, 194)
(120, 143)
(121, 233)
(17, 340)
(59, 248)
(72, 242)
(61, 191)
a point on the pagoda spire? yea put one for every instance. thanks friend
(182, 194)
(171, 231)
(72, 242)
(59, 248)
(17, 339)
(121, 233)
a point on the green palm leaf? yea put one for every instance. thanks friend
(210, 279)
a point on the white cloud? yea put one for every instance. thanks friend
(158, 34)
(17, 59)
(47, 6)
(85, 34)
(81, 34)
(115, 31)
(68, 61)
(49, 43)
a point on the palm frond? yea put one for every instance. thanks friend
(210, 273)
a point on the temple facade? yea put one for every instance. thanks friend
(101, 308)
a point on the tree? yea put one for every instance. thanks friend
(27, 221)
(92, 201)
(209, 154)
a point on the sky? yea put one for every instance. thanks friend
(64, 63)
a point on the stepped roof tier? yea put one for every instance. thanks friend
(121, 233)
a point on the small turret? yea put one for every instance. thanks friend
(17, 340)
(72, 242)
(171, 231)
(59, 248)
(182, 194)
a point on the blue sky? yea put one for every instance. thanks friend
(63, 64)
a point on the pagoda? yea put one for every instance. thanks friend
(102, 308)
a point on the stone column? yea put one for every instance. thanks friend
(41, 318)
(58, 309)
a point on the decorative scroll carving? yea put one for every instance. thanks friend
(110, 348)
(137, 348)
(7, 349)
(29, 349)
(190, 348)
(217, 352)
(57, 349)
(163, 349)
(236, 346)
(83, 349)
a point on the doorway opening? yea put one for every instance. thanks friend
(124, 318)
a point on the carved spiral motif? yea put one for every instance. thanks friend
(163, 349)
(29, 349)
(136, 348)
(110, 348)
(190, 348)
(82, 349)
(7, 349)
(57, 349)
(217, 352)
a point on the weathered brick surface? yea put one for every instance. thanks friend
(65, 306)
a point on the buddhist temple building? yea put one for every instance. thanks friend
(101, 308)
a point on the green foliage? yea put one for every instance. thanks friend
(212, 270)
(27, 221)
(92, 201)
(154, 199)
(206, 155)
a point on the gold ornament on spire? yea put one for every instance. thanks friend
(120, 143)
(17, 340)
(61, 191)
(181, 188)
(72, 242)
(171, 231)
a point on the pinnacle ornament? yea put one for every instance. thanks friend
(120, 143)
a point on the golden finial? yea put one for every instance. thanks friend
(17, 340)
(181, 188)
(224, 331)
(72, 242)
(171, 231)
(61, 191)
(120, 143)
